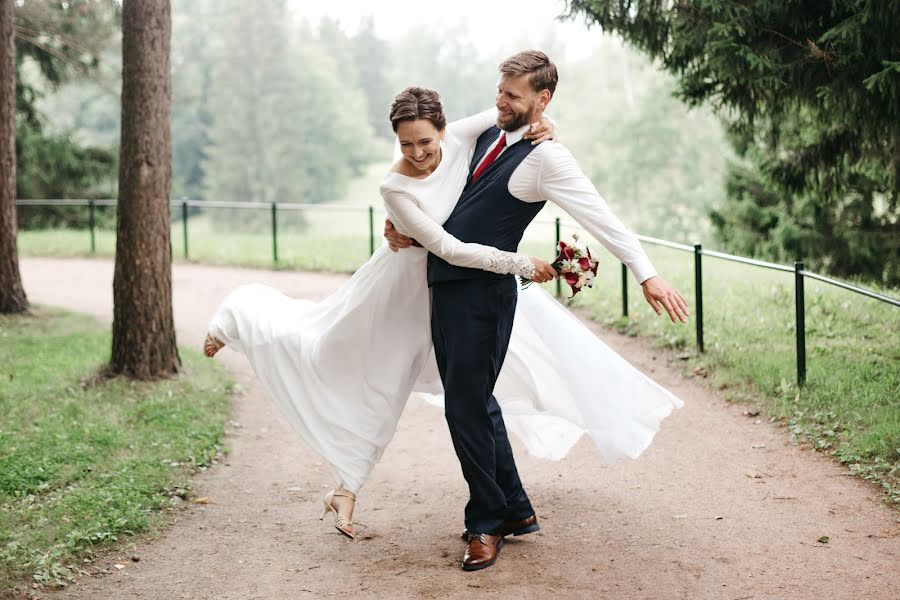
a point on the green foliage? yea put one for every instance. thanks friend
(446, 59)
(56, 167)
(363, 61)
(55, 43)
(194, 25)
(811, 92)
(63, 39)
(85, 462)
(284, 126)
(659, 164)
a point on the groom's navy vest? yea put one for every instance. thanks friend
(486, 212)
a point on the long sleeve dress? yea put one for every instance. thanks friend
(342, 369)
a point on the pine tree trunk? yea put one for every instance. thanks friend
(143, 344)
(12, 294)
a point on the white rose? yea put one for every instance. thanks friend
(570, 266)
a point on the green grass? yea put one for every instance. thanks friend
(850, 406)
(87, 461)
(316, 249)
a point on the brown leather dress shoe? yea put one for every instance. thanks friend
(482, 551)
(526, 525)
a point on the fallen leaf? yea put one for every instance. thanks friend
(823, 540)
(203, 500)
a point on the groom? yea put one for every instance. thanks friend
(472, 310)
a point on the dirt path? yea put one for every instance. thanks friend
(721, 506)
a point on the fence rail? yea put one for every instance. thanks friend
(800, 274)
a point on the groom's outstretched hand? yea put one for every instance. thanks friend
(660, 295)
(396, 240)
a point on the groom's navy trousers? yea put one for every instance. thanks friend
(471, 325)
(472, 315)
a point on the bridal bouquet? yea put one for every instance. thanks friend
(575, 264)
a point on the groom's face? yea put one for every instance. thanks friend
(518, 103)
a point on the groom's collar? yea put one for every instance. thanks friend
(516, 136)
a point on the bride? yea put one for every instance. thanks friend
(341, 370)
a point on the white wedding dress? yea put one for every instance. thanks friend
(342, 369)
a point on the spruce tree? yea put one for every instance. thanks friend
(811, 94)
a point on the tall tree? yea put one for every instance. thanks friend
(285, 125)
(446, 59)
(12, 294)
(811, 91)
(658, 163)
(143, 344)
(371, 55)
(59, 43)
(193, 32)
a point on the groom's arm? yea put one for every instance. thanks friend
(551, 173)
(396, 240)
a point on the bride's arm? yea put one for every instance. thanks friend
(468, 129)
(407, 215)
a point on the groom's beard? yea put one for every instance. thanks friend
(516, 120)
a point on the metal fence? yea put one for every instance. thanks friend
(800, 273)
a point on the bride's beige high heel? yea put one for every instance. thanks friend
(345, 526)
(211, 345)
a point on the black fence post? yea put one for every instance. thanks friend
(184, 225)
(555, 254)
(698, 293)
(92, 223)
(801, 322)
(371, 230)
(274, 232)
(624, 290)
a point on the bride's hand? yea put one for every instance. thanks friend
(543, 271)
(541, 131)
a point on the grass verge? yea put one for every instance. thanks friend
(86, 462)
(850, 406)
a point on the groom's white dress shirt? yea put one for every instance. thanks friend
(550, 172)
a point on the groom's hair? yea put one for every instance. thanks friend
(536, 65)
(418, 103)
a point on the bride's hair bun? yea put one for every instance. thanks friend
(417, 102)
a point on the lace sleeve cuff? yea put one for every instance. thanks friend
(510, 262)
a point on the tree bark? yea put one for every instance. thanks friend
(12, 294)
(143, 344)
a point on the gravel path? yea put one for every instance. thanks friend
(721, 506)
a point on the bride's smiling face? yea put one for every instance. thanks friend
(420, 142)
